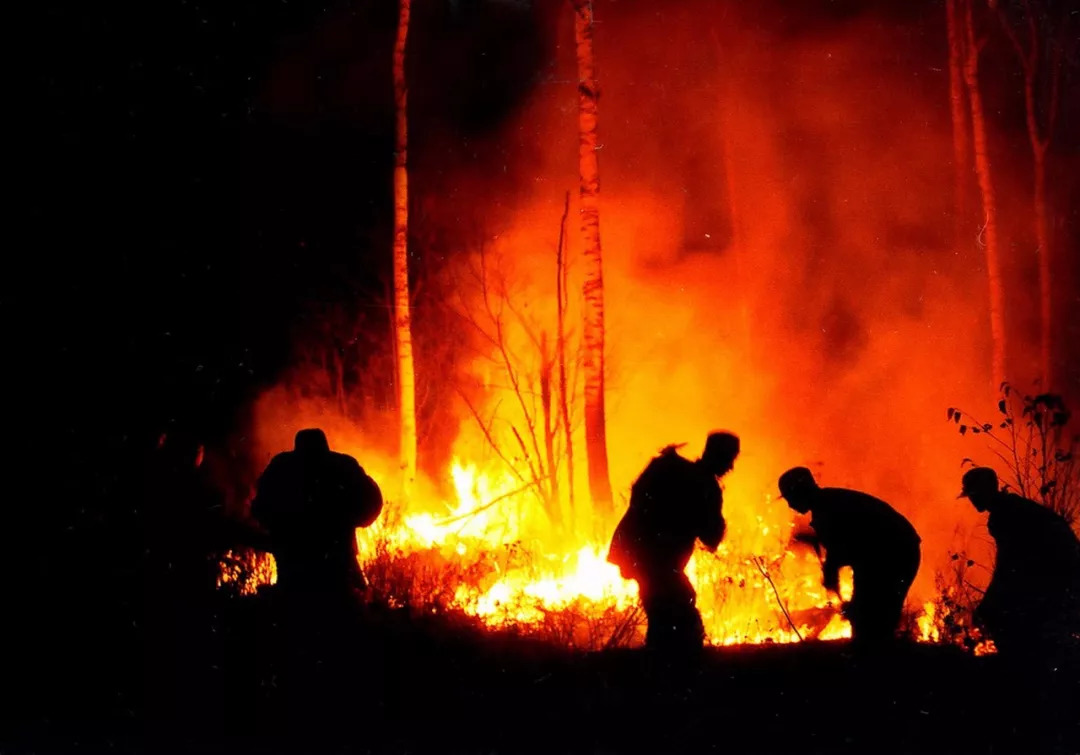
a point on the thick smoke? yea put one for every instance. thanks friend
(778, 247)
(777, 223)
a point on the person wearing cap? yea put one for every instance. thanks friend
(1033, 595)
(673, 503)
(311, 500)
(867, 534)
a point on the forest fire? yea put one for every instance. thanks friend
(497, 376)
(496, 556)
(721, 309)
(567, 571)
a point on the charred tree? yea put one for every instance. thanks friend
(1041, 59)
(593, 335)
(988, 237)
(406, 373)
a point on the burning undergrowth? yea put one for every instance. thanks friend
(492, 551)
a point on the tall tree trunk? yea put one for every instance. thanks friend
(593, 335)
(564, 395)
(402, 316)
(989, 236)
(1040, 41)
(1046, 289)
(961, 148)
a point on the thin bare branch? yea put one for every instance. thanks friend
(494, 501)
(486, 430)
(776, 592)
(525, 452)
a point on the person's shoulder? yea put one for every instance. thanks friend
(668, 458)
(344, 461)
(843, 497)
(282, 459)
(670, 453)
(343, 456)
(855, 502)
(1015, 506)
(1018, 506)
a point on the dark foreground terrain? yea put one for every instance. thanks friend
(263, 678)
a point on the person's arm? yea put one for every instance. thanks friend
(367, 497)
(263, 504)
(833, 535)
(988, 613)
(622, 550)
(714, 526)
(831, 572)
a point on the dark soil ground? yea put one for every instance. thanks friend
(261, 677)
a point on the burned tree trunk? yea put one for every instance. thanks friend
(402, 318)
(989, 235)
(593, 336)
(961, 147)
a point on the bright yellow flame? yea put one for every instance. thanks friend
(929, 631)
(740, 592)
(752, 590)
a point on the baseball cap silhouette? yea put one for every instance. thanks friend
(979, 479)
(796, 479)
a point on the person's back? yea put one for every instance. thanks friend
(867, 534)
(1033, 539)
(669, 494)
(860, 529)
(1035, 588)
(673, 502)
(311, 500)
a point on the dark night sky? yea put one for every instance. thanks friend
(202, 169)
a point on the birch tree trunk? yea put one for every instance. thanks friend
(593, 335)
(989, 235)
(402, 316)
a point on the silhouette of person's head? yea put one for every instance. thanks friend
(980, 486)
(720, 452)
(311, 441)
(798, 487)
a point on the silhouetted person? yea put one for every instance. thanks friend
(1032, 600)
(674, 502)
(311, 500)
(182, 513)
(870, 536)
